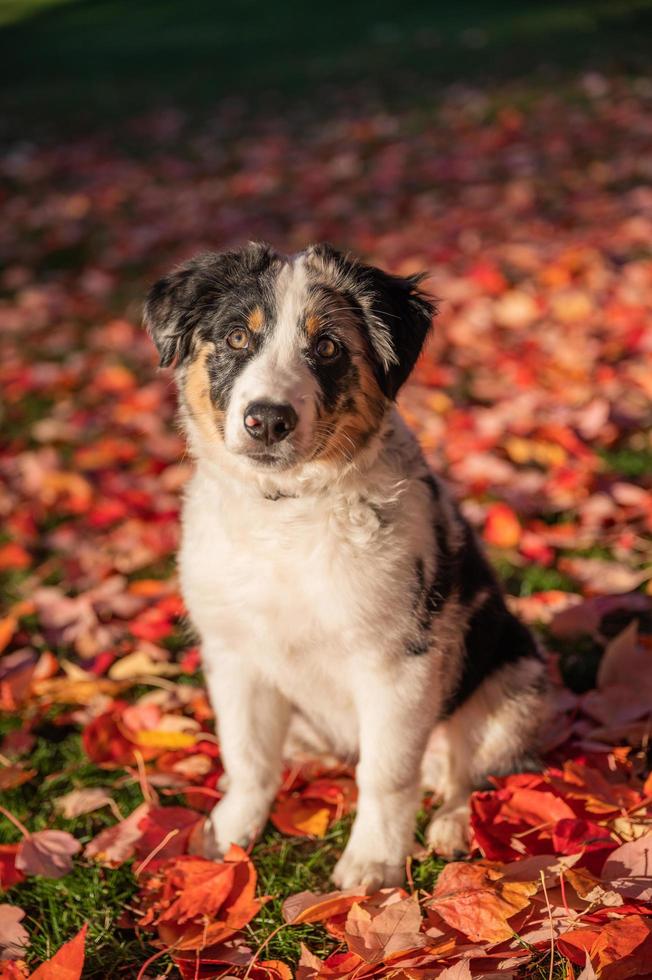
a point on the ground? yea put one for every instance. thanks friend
(527, 200)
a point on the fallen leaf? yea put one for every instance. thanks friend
(375, 935)
(13, 776)
(475, 900)
(48, 853)
(502, 527)
(297, 817)
(623, 948)
(115, 845)
(628, 869)
(175, 898)
(459, 971)
(79, 801)
(588, 973)
(9, 873)
(67, 963)
(312, 907)
(14, 937)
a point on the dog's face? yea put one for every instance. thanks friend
(286, 360)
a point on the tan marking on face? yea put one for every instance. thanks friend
(197, 396)
(256, 319)
(313, 323)
(352, 429)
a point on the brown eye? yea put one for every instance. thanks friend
(327, 349)
(238, 339)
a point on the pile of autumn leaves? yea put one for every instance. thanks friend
(562, 859)
(539, 368)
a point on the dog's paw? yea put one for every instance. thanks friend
(235, 820)
(352, 871)
(448, 832)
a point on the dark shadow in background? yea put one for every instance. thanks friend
(78, 64)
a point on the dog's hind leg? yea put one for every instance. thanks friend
(492, 733)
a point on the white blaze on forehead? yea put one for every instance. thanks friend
(291, 297)
(278, 372)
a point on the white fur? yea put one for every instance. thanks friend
(279, 373)
(305, 601)
(302, 601)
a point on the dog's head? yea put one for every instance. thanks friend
(283, 360)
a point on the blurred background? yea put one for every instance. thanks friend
(503, 147)
(81, 62)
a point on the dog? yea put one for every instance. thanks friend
(342, 600)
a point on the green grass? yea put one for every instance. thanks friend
(56, 911)
(527, 578)
(627, 462)
(286, 866)
(75, 63)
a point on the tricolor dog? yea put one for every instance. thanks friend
(343, 602)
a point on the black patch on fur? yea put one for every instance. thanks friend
(432, 598)
(493, 636)
(433, 486)
(493, 639)
(207, 296)
(475, 573)
(337, 381)
(339, 378)
(397, 304)
(419, 645)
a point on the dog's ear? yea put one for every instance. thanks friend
(191, 295)
(397, 312)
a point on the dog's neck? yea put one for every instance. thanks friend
(313, 479)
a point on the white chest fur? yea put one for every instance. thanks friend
(308, 588)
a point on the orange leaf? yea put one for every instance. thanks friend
(473, 899)
(7, 629)
(311, 907)
(301, 818)
(13, 556)
(195, 903)
(502, 527)
(115, 845)
(67, 963)
(12, 776)
(623, 948)
(13, 970)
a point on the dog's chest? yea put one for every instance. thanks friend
(289, 575)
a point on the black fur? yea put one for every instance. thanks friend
(192, 299)
(493, 637)
(400, 306)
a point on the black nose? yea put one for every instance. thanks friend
(268, 422)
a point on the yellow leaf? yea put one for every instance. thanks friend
(316, 824)
(156, 738)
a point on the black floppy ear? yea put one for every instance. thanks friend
(397, 313)
(171, 314)
(192, 293)
(397, 308)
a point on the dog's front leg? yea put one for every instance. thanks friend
(252, 721)
(394, 725)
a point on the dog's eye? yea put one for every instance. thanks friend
(327, 349)
(238, 338)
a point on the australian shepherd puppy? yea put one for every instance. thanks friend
(341, 598)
